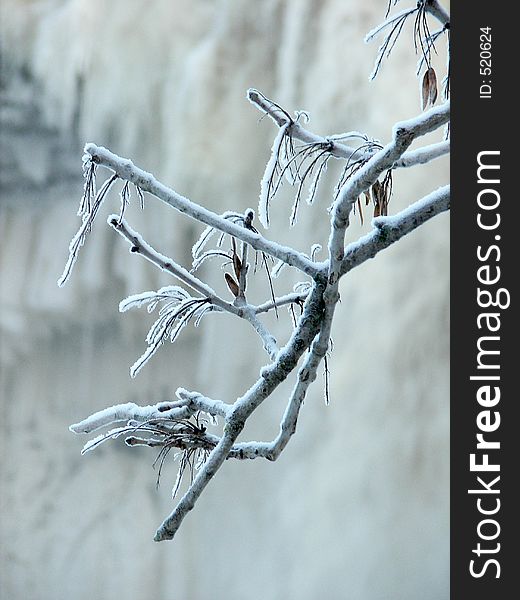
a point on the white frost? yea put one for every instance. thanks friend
(266, 185)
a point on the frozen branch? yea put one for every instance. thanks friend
(146, 182)
(295, 129)
(306, 376)
(182, 423)
(404, 134)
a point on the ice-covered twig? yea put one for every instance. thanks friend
(267, 185)
(188, 404)
(423, 155)
(293, 298)
(423, 40)
(142, 248)
(146, 182)
(88, 210)
(131, 412)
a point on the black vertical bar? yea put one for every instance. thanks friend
(484, 132)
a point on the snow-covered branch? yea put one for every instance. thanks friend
(250, 314)
(300, 158)
(306, 376)
(297, 131)
(404, 133)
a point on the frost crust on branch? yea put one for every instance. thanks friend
(231, 241)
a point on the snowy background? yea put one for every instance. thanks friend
(357, 505)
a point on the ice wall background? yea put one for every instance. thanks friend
(357, 505)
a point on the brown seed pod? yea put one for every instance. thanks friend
(232, 285)
(429, 87)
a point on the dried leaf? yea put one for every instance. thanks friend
(237, 263)
(377, 192)
(386, 193)
(429, 87)
(433, 87)
(376, 197)
(232, 285)
(360, 206)
(425, 89)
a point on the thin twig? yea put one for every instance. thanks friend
(423, 155)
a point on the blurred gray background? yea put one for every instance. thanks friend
(357, 506)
